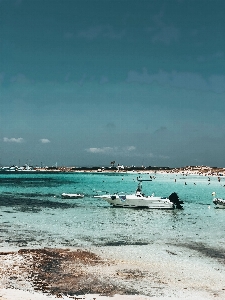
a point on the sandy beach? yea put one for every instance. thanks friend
(109, 274)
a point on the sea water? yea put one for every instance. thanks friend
(33, 214)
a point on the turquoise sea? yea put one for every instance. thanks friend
(34, 215)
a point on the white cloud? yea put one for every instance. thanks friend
(13, 140)
(128, 151)
(105, 150)
(130, 148)
(44, 141)
(112, 150)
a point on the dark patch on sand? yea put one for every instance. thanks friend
(211, 252)
(64, 272)
(120, 241)
(131, 274)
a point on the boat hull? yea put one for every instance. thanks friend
(134, 201)
(71, 196)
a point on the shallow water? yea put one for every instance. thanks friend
(33, 214)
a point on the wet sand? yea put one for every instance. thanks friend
(109, 273)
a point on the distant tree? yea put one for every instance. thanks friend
(112, 163)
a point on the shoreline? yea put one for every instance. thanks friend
(181, 173)
(188, 170)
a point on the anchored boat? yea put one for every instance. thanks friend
(219, 202)
(71, 196)
(140, 200)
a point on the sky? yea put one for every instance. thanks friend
(88, 82)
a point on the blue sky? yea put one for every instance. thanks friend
(86, 82)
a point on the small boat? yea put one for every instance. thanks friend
(71, 196)
(219, 202)
(139, 200)
(102, 196)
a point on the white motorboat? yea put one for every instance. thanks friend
(139, 200)
(71, 196)
(219, 202)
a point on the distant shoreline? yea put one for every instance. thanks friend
(188, 170)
